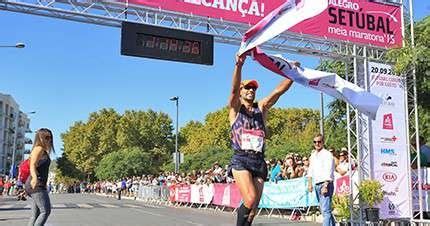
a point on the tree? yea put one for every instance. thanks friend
(123, 163)
(106, 131)
(214, 132)
(205, 158)
(150, 131)
(86, 143)
(290, 131)
(417, 57)
(66, 171)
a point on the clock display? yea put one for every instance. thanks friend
(174, 45)
(166, 44)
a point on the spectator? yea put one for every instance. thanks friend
(321, 173)
(343, 167)
(1, 185)
(289, 171)
(305, 165)
(275, 173)
(424, 149)
(335, 155)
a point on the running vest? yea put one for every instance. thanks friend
(248, 130)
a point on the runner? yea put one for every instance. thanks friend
(248, 125)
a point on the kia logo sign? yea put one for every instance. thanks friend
(389, 177)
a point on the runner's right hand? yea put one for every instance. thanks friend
(240, 60)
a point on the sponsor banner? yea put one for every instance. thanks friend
(235, 197)
(149, 192)
(242, 11)
(357, 21)
(389, 157)
(226, 195)
(350, 20)
(183, 193)
(342, 185)
(202, 193)
(287, 194)
(219, 196)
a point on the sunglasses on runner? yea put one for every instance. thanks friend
(250, 87)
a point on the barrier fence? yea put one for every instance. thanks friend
(285, 194)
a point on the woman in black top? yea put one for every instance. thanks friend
(36, 184)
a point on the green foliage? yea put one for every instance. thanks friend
(417, 57)
(86, 143)
(106, 131)
(126, 162)
(341, 207)
(290, 131)
(205, 158)
(196, 136)
(66, 171)
(370, 192)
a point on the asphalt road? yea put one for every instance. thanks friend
(87, 209)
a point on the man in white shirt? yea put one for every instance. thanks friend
(321, 174)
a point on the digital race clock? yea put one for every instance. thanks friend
(166, 44)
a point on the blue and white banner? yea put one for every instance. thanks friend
(287, 194)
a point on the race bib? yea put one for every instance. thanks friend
(252, 140)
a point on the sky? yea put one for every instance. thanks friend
(68, 70)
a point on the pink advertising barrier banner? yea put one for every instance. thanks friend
(342, 185)
(183, 193)
(226, 195)
(358, 21)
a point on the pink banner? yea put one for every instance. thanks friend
(358, 21)
(342, 185)
(235, 197)
(226, 195)
(243, 11)
(183, 193)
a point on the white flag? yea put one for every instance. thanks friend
(284, 17)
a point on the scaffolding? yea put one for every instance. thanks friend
(354, 56)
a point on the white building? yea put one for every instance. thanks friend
(13, 126)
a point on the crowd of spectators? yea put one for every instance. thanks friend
(295, 165)
(292, 166)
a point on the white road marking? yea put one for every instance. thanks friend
(59, 205)
(132, 206)
(108, 205)
(6, 206)
(150, 213)
(160, 215)
(84, 205)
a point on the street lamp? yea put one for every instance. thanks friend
(18, 45)
(176, 99)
